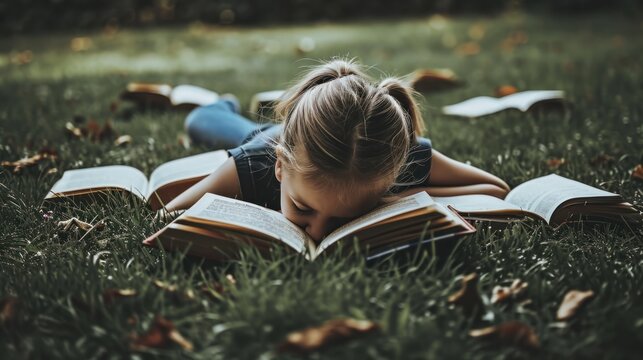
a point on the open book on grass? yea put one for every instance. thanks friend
(166, 182)
(523, 101)
(217, 227)
(552, 198)
(184, 97)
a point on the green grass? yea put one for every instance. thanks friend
(59, 280)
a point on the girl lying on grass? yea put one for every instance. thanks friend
(344, 145)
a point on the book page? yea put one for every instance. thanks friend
(523, 100)
(186, 168)
(118, 176)
(477, 203)
(246, 215)
(407, 204)
(544, 194)
(477, 106)
(190, 94)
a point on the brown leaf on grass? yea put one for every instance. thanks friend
(504, 90)
(81, 43)
(217, 290)
(468, 297)
(21, 57)
(165, 286)
(573, 301)
(429, 80)
(602, 160)
(514, 333)
(513, 40)
(161, 334)
(91, 130)
(18, 165)
(330, 333)
(123, 140)
(554, 163)
(637, 172)
(184, 141)
(109, 295)
(173, 290)
(73, 131)
(469, 48)
(8, 309)
(70, 224)
(113, 106)
(503, 294)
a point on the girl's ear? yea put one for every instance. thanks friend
(278, 169)
(278, 164)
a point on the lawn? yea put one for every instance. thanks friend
(60, 280)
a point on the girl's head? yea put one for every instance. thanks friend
(345, 141)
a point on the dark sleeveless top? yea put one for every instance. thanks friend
(255, 161)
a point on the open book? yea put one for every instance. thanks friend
(184, 97)
(166, 182)
(217, 227)
(552, 198)
(523, 101)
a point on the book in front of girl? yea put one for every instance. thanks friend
(216, 228)
(166, 182)
(552, 198)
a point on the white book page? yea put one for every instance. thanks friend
(404, 205)
(186, 168)
(544, 194)
(475, 203)
(523, 100)
(190, 94)
(478, 106)
(118, 176)
(243, 214)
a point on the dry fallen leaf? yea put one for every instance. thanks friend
(329, 333)
(501, 294)
(429, 80)
(81, 43)
(18, 165)
(184, 141)
(504, 90)
(509, 333)
(217, 290)
(165, 286)
(109, 295)
(555, 163)
(602, 160)
(637, 172)
(161, 334)
(573, 301)
(123, 140)
(72, 223)
(8, 309)
(468, 297)
(21, 57)
(468, 49)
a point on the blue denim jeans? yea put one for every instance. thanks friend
(218, 126)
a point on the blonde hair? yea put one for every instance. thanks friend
(341, 128)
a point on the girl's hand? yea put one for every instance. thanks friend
(163, 215)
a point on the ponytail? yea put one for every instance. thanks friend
(319, 75)
(404, 96)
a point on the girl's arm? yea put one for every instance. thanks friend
(224, 181)
(450, 178)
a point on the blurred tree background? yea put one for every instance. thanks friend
(27, 16)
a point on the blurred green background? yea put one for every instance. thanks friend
(45, 15)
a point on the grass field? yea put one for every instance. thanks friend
(59, 280)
